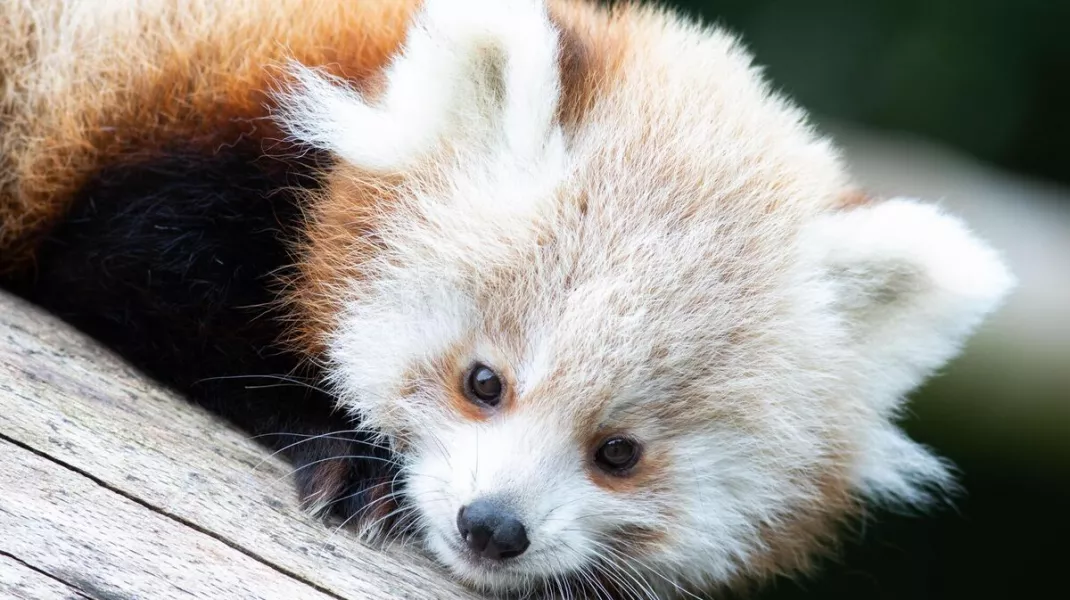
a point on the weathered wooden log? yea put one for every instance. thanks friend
(113, 487)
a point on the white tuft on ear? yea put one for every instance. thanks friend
(480, 75)
(910, 282)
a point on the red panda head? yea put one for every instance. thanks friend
(600, 288)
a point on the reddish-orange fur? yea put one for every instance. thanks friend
(206, 90)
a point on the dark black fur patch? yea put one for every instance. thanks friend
(170, 261)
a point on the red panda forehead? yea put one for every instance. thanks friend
(634, 302)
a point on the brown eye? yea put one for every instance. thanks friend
(617, 455)
(484, 386)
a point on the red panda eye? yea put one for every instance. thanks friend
(483, 386)
(617, 455)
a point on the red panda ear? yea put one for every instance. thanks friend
(909, 282)
(473, 76)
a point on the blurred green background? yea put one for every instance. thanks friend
(990, 80)
(991, 77)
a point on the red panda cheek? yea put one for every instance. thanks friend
(811, 531)
(640, 540)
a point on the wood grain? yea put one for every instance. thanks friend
(85, 534)
(116, 464)
(20, 582)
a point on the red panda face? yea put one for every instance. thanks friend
(622, 330)
(611, 405)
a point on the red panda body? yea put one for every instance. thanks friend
(90, 87)
(596, 305)
(147, 197)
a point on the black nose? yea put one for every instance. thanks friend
(492, 530)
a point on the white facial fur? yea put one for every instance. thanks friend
(673, 266)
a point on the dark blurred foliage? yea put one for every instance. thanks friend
(990, 78)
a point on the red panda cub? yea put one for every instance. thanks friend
(597, 306)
